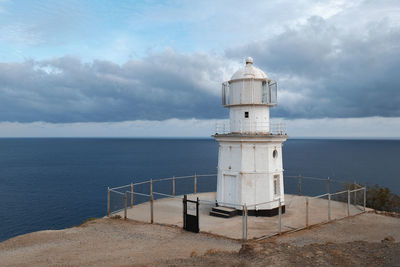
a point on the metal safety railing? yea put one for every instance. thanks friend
(314, 208)
(247, 127)
(127, 192)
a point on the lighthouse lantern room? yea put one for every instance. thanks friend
(250, 170)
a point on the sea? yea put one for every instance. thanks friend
(54, 183)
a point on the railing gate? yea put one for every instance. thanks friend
(191, 215)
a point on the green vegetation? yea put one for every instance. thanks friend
(378, 198)
(116, 217)
(381, 198)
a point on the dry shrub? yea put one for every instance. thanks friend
(211, 251)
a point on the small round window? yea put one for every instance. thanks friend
(275, 154)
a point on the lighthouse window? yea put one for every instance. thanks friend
(275, 154)
(276, 185)
(246, 114)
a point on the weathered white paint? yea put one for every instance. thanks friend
(257, 121)
(246, 165)
(249, 72)
(245, 91)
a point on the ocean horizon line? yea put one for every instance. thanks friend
(195, 137)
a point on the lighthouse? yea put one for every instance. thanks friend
(250, 168)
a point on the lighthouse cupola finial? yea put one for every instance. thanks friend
(249, 60)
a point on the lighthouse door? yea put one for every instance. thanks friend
(229, 189)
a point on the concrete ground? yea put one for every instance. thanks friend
(169, 211)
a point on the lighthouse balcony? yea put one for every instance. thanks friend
(257, 128)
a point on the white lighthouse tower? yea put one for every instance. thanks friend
(250, 169)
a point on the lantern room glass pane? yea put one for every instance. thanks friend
(225, 94)
(274, 93)
(264, 92)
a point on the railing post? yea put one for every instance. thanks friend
(197, 213)
(329, 206)
(195, 183)
(244, 211)
(151, 202)
(131, 195)
(280, 217)
(307, 212)
(184, 200)
(125, 207)
(299, 186)
(355, 193)
(173, 185)
(108, 202)
(328, 185)
(365, 197)
(348, 202)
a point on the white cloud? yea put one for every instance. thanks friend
(20, 34)
(167, 128)
(371, 127)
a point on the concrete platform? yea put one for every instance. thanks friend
(170, 211)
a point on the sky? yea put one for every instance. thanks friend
(155, 68)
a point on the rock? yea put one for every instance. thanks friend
(308, 254)
(389, 238)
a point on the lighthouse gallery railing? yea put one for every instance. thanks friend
(272, 128)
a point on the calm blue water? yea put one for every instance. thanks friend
(55, 183)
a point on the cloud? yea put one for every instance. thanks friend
(371, 127)
(160, 86)
(138, 128)
(20, 33)
(342, 63)
(332, 69)
(121, 29)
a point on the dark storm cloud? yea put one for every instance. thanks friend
(327, 71)
(162, 86)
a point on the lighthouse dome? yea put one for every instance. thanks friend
(249, 72)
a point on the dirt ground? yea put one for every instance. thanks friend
(364, 240)
(357, 253)
(367, 239)
(106, 242)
